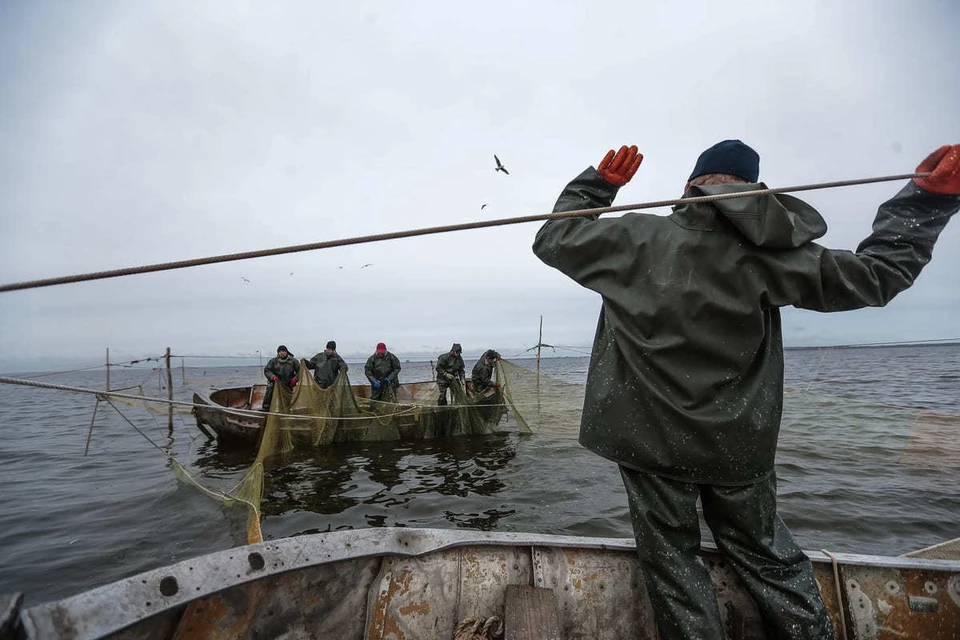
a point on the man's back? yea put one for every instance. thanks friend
(686, 378)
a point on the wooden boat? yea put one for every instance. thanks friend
(231, 415)
(406, 584)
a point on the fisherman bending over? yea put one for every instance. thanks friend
(450, 370)
(685, 385)
(482, 375)
(283, 369)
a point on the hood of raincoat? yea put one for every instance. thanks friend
(771, 221)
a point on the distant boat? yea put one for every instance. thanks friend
(406, 583)
(230, 415)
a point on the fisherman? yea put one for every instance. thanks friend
(326, 365)
(450, 370)
(482, 375)
(685, 385)
(383, 371)
(283, 369)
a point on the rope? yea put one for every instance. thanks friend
(479, 629)
(253, 357)
(482, 224)
(103, 395)
(86, 448)
(97, 392)
(836, 584)
(882, 344)
(93, 367)
(57, 373)
(165, 453)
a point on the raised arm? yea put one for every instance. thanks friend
(571, 243)
(888, 261)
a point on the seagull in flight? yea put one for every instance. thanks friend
(482, 207)
(500, 166)
(369, 264)
(244, 279)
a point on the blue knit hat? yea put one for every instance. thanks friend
(731, 157)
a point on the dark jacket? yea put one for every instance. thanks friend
(452, 364)
(286, 370)
(381, 366)
(482, 374)
(686, 373)
(326, 367)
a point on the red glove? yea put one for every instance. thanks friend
(275, 379)
(944, 163)
(293, 382)
(618, 169)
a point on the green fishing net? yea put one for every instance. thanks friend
(309, 416)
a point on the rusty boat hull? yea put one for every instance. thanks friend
(400, 583)
(230, 415)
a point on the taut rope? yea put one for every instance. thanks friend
(482, 224)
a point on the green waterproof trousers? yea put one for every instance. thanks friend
(748, 532)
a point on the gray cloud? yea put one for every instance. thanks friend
(138, 133)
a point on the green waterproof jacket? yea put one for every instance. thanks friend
(286, 369)
(381, 366)
(686, 373)
(450, 365)
(482, 374)
(326, 367)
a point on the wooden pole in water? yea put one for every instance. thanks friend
(183, 372)
(539, 346)
(108, 368)
(169, 390)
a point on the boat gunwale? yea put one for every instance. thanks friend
(108, 609)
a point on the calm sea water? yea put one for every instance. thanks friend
(868, 463)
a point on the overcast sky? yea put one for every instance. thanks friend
(143, 132)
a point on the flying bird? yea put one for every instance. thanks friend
(369, 264)
(244, 279)
(482, 207)
(291, 273)
(500, 166)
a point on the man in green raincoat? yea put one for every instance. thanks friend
(450, 370)
(383, 371)
(482, 374)
(326, 365)
(685, 384)
(283, 369)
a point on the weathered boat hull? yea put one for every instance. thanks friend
(231, 416)
(379, 584)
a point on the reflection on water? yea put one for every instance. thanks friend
(379, 481)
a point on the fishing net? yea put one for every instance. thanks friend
(524, 401)
(310, 416)
(540, 403)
